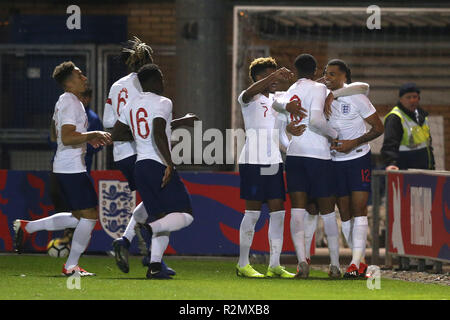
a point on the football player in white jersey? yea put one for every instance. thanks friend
(309, 171)
(147, 120)
(69, 168)
(352, 159)
(122, 91)
(261, 167)
(312, 213)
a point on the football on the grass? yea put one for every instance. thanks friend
(58, 249)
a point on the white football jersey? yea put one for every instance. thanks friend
(69, 110)
(259, 118)
(347, 118)
(121, 92)
(312, 96)
(139, 114)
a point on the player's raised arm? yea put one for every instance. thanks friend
(352, 89)
(349, 90)
(188, 121)
(292, 107)
(261, 85)
(318, 122)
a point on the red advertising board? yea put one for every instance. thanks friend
(217, 207)
(419, 214)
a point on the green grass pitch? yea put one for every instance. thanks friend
(38, 277)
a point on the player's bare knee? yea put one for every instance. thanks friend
(76, 214)
(345, 215)
(360, 212)
(326, 205)
(253, 205)
(275, 205)
(299, 199)
(91, 213)
(312, 209)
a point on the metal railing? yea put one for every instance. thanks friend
(378, 180)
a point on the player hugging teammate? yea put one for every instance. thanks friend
(318, 161)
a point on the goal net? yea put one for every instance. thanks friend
(412, 45)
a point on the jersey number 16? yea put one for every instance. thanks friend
(141, 121)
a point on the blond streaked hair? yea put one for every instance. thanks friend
(137, 54)
(260, 64)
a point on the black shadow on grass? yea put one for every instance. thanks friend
(127, 278)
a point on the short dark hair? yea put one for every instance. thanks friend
(343, 67)
(63, 71)
(305, 64)
(259, 65)
(149, 72)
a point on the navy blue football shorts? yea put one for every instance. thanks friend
(126, 166)
(159, 201)
(262, 182)
(353, 175)
(78, 190)
(313, 176)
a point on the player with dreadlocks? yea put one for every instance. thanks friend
(135, 55)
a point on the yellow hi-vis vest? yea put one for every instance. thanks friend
(414, 136)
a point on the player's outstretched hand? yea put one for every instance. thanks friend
(190, 118)
(284, 74)
(327, 106)
(294, 129)
(102, 138)
(95, 143)
(167, 176)
(344, 146)
(295, 108)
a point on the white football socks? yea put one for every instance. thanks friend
(140, 214)
(58, 221)
(159, 244)
(332, 233)
(276, 230)
(246, 232)
(347, 231)
(298, 232)
(172, 222)
(80, 241)
(360, 230)
(310, 228)
(129, 231)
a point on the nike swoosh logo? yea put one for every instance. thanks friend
(151, 272)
